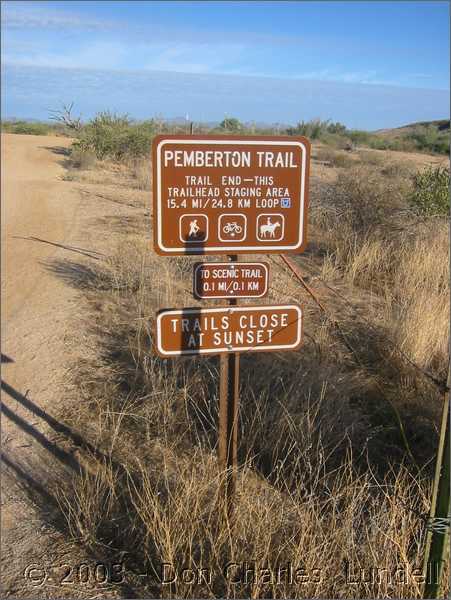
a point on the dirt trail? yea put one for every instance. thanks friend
(43, 219)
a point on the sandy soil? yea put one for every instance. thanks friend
(44, 220)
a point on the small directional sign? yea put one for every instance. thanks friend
(230, 280)
(230, 194)
(228, 329)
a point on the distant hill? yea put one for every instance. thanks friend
(431, 136)
(439, 125)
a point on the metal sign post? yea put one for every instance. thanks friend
(228, 420)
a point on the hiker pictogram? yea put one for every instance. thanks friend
(193, 228)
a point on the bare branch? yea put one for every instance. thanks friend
(65, 117)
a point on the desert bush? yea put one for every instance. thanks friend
(395, 169)
(375, 242)
(431, 139)
(379, 143)
(337, 128)
(358, 136)
(314, 129)
(116, 137)
(364, 201)
(337, 141)
(26, 127)
(431, 191)
(231, 124)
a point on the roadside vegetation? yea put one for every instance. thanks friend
(114, 135)
(336, 440)
(32, 128)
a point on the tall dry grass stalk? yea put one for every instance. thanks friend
(379, 245)
(419, 299)
(141, 173)
(347, 534)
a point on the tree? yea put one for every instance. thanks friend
(231, 124)
(65, 117)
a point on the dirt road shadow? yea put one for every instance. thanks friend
(60, 151)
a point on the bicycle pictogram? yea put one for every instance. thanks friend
(232, 228)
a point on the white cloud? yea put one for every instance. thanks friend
(82, 41)
(19, 15)
(365, 77)
(101, 54)
(192, 58)
(118, 54)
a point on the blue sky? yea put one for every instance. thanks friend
(368, 64)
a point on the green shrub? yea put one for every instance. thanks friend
(431, 140)
(26, 128)
(337, 127)
(231, 124)
(378, 143)
(116, 137)
(310, 129)
(359, 137)
(430, 194)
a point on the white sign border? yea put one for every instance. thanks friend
(254, 348)
(227, 249)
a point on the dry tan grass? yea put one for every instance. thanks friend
(379, 245)
(348, 537)
(324, 483)
(140, 170)
(336, 158)
(372, 157)
(419, 300)
(303, 492)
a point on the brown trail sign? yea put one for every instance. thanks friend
(191, 331)
(229, 194)
(230, 280)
